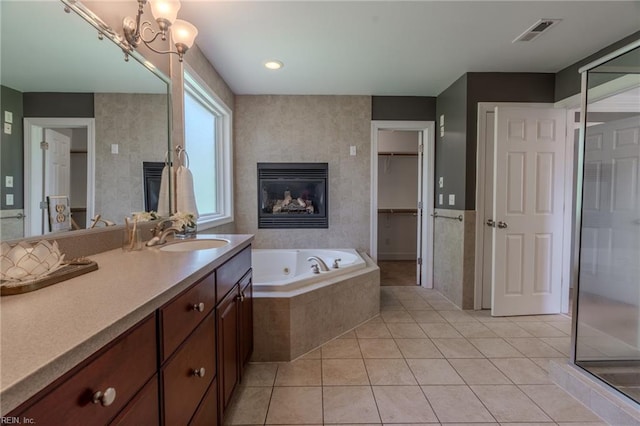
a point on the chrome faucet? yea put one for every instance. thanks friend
(323, 266)
(336, 265)
(162, 238)
(160, 227)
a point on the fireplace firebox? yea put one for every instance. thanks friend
(292, 195)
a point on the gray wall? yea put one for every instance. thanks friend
(568, 80)
(403, 108)
(52, 105)
(306, 129)
(11, 152)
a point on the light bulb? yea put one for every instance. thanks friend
(166, 10)
(183, 33)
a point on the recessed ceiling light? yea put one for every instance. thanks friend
(273, 65)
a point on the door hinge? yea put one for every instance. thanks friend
(419, 261)
(44, 145)
(44, 205)
(421, 148)
(420, 205)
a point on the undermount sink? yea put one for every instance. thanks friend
(192, 245)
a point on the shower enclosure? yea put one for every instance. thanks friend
(606, 309)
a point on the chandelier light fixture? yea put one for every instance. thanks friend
(165, 13)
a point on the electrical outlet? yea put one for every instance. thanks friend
(8, 181)
(7, 128)
(9, 199)
(114, 148)
(452, 199)
(352, 150)
(441, 182)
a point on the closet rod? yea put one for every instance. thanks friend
(398, 211)
(399, 154)
(459, 217)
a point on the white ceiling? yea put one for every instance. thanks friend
(395, 47)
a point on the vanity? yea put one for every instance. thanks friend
(152, 337)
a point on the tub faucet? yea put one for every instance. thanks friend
(323, 266)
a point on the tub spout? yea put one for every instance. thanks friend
(323, 266)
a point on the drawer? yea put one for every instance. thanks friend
(143, 409)
(232, 271)
(183, 389)
(207, 414)
(125, 366)
(180, 316)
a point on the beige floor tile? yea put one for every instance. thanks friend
(406, 331)
(558, 404)
(349, 404)
(564, 326)
(541, 329)
(344, 372)
(417, 304)
(348, 335)
(375, 330)
(522, 371)
(543, 318)
(314, 354)
(545, 363)
(507, 329)
(341, 348)
(479, 372)
(507, 403)
(495, 348)
(456, 404)
(533, 347)
(434, 372)
(457, 348)
(440, 330)
(299, 373)
(379, 348)
(443, 305)
(391, 307)
(473, 329)
(427, 317)
(396, 316)
(457, 316)
(295, 405)
(418, 348)
(561, 344)
(259, 374)
(389, 372)
(249, 406)
(403, 404)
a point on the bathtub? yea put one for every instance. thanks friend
(289, 271)
(296, 311)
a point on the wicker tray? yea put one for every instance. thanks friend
(72, 269)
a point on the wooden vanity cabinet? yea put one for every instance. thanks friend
(103, 385)
(228, 345)
(246, 320)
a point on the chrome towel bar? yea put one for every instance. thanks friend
(459, 217)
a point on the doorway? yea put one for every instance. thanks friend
(522, 236)
(401, 207)
(59, 160)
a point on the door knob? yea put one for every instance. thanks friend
(501, 224)
(491, 223)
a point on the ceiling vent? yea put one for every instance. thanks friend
(536, 29)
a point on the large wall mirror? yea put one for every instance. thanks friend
(79, 122)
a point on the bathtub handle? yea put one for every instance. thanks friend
(315, 268)
(335, 263)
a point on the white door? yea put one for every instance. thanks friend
(528, 211)
(57, 155)
(610, 247)
(419, 214)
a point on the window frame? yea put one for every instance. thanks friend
(196, 87)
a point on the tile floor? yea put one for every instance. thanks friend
(422, 361)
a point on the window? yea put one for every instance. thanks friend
(207, 139)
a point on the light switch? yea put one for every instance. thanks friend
(441, 120)
(452, 199)
(114, 148)
(440, 199)
(352, 150)
(7, 128)
(8, 117)
(441, 182)
(8, 181)
(9, 199)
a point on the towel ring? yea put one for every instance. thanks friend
(180, 151)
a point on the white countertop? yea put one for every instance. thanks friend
(45, 333)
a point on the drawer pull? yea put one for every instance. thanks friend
(105, 398)
(199, 372)
(198, 307)
(241, 297)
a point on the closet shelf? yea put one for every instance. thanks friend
(398, 211)
(399, 154)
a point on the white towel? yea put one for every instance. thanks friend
(185, 195)
(163, 195)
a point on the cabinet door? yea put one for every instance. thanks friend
(143, 410)
(227, 334)
(246, 320)
(207, 414)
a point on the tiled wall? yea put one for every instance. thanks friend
(11, 227)
(306, 129)
(138, 124)
(453, 256)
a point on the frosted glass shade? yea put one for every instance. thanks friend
(165, 9)
(183, 32)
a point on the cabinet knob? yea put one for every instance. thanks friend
(240, 297)
(199, 372)
(198, 307)
(105, 398)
